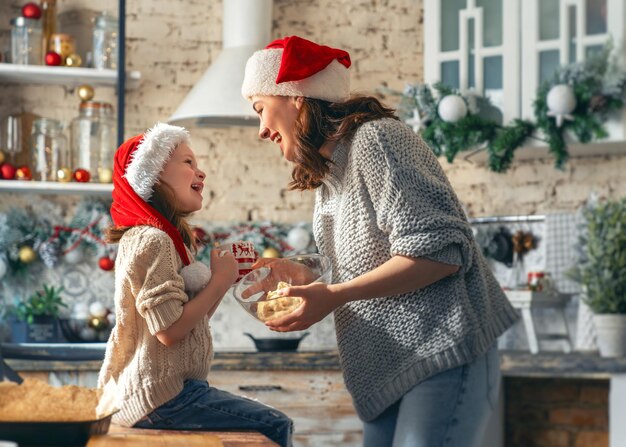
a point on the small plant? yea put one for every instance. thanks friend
(601, 269)
(44, 302)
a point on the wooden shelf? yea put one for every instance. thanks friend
(67, 76)
(70, 188)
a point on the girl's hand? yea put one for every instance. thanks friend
(318, 301)
(224, 267)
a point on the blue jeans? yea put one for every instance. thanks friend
(450, 409)
(202, 407)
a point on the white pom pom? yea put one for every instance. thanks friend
(196, 277)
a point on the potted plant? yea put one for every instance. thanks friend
(37, 318)
(601, 270)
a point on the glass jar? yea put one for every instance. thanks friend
(26, 41)
(105, 42)
(49, 151)
(93, 140)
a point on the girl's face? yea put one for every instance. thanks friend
(181, 173)
(278, 116)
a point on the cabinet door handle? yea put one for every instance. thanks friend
(260, 387)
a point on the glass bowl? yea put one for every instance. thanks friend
(254, 292)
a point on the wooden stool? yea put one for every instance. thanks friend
(526, 300)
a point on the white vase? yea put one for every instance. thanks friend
(611, 334)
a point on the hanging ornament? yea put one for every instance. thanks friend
(26, 254)
(23, 173)
(64, 175)
(105, 175)
(416, 121)
(49, 253)
(7, 171)
(81, 175)
(53, 59)
(98, 310)
(31, 11)
(85, 92)
(452, 108)
(3, 266)
(106, 263)
(561, 103)
(271, 252)
(298, 238)
(73, 60)
(74, 256)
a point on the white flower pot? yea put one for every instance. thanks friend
(611, 333)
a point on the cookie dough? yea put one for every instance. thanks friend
(277, 306)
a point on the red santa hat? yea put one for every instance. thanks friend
(294, 66)
(138, 163)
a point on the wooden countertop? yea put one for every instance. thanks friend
(136, 437)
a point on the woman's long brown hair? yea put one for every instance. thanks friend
(164, 201)
(321, 121)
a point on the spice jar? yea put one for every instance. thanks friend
(62, 44)
(105, 42)
(49, 151)
(26, 41)
(93, 140)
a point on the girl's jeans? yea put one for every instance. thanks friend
(202, 407)
(450, 409)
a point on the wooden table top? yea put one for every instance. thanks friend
(137, 437)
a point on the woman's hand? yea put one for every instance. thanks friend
(319, 300)
(224, 268)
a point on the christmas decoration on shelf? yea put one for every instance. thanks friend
(53, 59)
(81, 175)
(64, 175)
(577, 100)
(31, 11)
(7, 171)
(23, 173)
(85, 92)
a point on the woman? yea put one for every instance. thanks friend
(417, 310)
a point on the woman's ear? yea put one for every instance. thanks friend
(299, 101)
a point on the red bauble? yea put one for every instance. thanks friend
(23, 173)
(7, 171)
(106, 263)
(82, 175)
(53, 58)
(31, 11)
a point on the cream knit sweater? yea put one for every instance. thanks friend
(149, 297)
(387, 195)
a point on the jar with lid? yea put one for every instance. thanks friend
(49, 150)
(26, 41)
(105, 42)
(93, 140)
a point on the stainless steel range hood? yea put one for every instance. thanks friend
(215, 100)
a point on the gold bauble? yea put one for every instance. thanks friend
(27, 254)
(64, 175)
(271, 252)
(105, 175)
(85, 92)
(73, 60)
(2, 157)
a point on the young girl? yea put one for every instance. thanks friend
(417, 310)
(160, 350)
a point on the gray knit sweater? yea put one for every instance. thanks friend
(386, 195)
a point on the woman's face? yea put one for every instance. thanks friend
(278, 116)
(182, 175)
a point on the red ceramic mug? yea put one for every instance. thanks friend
(244, 253)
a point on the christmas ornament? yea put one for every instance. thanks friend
(106, 263)
(81, 175)
(271, 252)
(85, 92)
(26, 254)
(31, 11)
(53, 59)
(298, 238)
(97, 309)
(74, 256)
(561, 103)
(7, 171)
(97, 324)
(64, 175)
(105, 175)
(73, 60)
(23, 173)
(2, 157)
(49, 253)
(3, 266)
(452, 108)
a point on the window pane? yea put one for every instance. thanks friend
(548, 63)
(593, 50)
(548, 19)
(450, 74)
(571, 18)
(492, 21)
(493, 72)
(450, 24)
(596, 17)
(471, 58)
